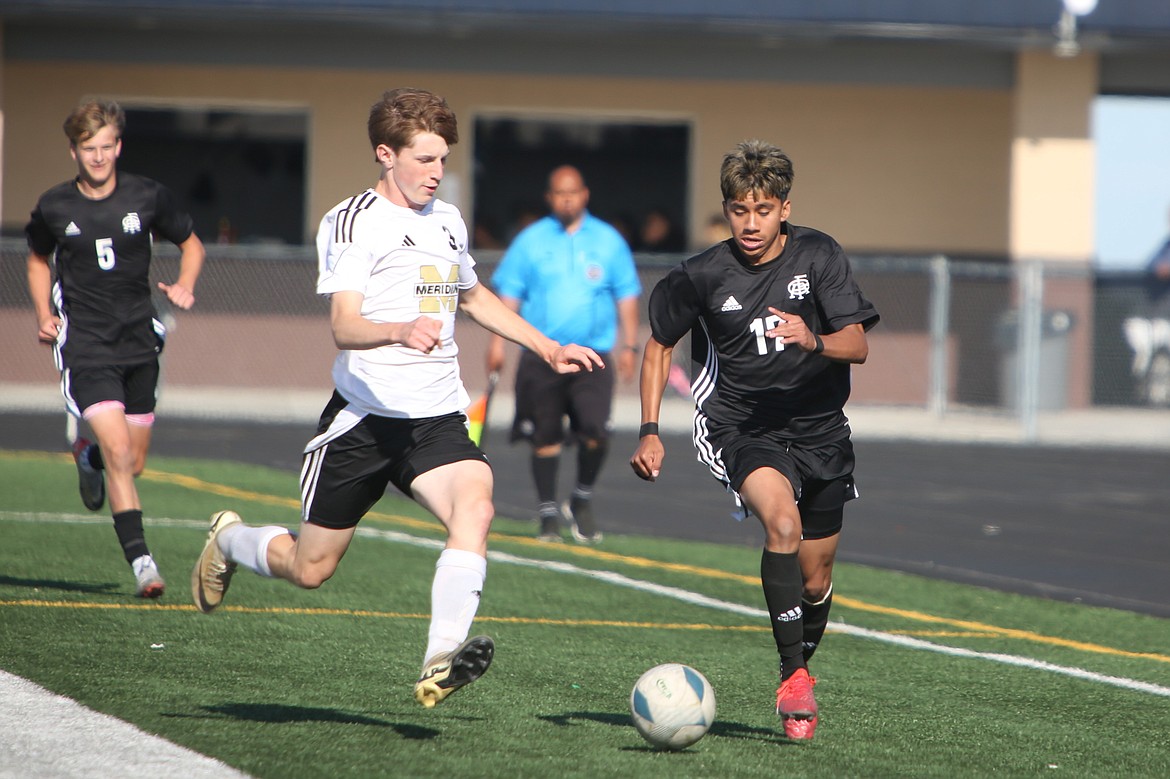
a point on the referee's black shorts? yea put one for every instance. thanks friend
(544, 398)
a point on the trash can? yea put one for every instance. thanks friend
(1052, 393)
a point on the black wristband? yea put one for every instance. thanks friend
(648, 428)
(820, 347)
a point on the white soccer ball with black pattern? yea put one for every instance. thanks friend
(673, 706)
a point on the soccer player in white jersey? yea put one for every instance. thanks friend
(394, 264)
(776, 320)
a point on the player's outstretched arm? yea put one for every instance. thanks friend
(495, 356)
(182, 292)
(648, 457)
(488, 311)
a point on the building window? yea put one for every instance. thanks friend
(636, 171)
(240, 173)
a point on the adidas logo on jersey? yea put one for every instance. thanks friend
(731, 304)
(72, 229)
(407, 241)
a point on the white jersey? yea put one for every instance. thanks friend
(407, 264)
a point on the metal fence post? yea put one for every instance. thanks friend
(1031, 281)
(940, 315)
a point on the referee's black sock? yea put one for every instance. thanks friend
(783, 583)
(590, 458)
(128, 526)
(544, 474)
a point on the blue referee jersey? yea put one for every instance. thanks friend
(568, 285)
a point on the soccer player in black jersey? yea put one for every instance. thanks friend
(776, 320)
(88, 274)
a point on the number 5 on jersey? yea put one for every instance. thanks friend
(105, 253)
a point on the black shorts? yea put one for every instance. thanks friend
(544, 398)
(344, 476)
(821, 476)
(134, 386)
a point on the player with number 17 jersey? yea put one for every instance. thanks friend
(406, 263)
(741, 378)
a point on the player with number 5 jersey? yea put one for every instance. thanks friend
(95, 231)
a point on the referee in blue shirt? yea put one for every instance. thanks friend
(572, 276)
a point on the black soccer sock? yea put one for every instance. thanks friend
(128, 526)
(93, 454)
(589, 462)
(544, 473)
(816, 618)
(781, 577)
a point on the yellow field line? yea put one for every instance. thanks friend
(326, 612)
(321, 612)
(199, 485)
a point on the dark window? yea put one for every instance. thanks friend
(633, 171)
(241, 174)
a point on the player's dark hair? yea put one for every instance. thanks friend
(90, 117)
(403, 113)
(758, 168)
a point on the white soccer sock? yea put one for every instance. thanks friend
(248, 546)
(141, 562)
(455, 591)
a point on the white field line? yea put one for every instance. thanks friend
(49, 736)
(698, 599)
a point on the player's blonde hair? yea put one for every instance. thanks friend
(90, 117)
(758, 168)
(403, 113)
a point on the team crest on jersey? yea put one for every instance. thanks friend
(594, 272)
(436, 294)
(131, 224)
(799, 287)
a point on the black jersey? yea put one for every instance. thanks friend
(102, 268)
(743, 380)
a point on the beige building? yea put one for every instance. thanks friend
(915, 138)
(910, 136)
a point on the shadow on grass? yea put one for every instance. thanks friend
(605, 718)
(720, 728)
(280, 713)
(725, 729)
(56, 584)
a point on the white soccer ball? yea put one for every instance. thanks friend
(673, 706)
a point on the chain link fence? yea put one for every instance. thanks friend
(1007, 339)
